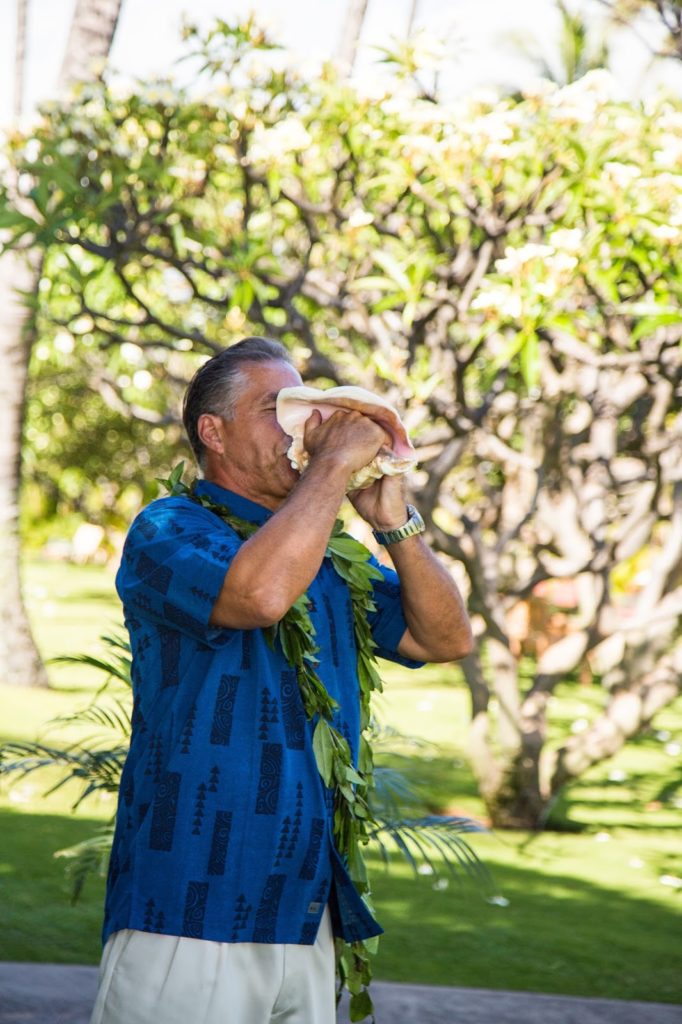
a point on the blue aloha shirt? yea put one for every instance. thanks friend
(224, 826)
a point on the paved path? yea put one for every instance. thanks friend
(56, 994)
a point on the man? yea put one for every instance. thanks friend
(224, 888)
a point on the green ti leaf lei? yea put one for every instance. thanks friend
(295, 634)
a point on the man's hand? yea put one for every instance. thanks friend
(354, 439)
(347, 438)
(383, 503)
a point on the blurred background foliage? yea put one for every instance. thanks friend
(506, 269)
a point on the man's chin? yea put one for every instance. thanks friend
(289, 471)
(288, 477)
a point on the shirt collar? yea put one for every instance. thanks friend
(237, 504)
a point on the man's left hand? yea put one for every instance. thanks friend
(383, 503)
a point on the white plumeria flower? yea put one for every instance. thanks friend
(598, 84)
(360, 218)
(670, 152)
(420, 145)
(494, 127)
(579, 101)
(562, 262)
(515, 259)
(287, 136)
(502, 300)
(176, 286)
(665, 232)
(194, 174)
(567, 239)
(621, 173)
(539, 89)
(547, 289)
(430, 53)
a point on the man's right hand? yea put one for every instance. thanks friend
(347, 438)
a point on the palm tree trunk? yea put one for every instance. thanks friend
(90, 37)
(350, 35)
(20, 662)
(20, 58)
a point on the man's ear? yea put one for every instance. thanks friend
(208, 429)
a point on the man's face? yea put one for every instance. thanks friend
(252, 460)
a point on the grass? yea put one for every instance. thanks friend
(592, 910)
(70, 607)
(574, 919)
(39, 923)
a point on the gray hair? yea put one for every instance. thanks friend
(216, 385)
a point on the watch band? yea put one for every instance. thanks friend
(413, 526)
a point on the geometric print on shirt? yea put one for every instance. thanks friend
(224, 826)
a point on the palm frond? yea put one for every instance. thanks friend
(382, 735)
(87, 858)
(433, 841)
(117, 666)
(115, 717)
(392, 790)
(97, 770)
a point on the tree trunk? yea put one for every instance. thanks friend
(350, 35)
(630, 708)
(20, 662)
(90, 37)
(20, 58)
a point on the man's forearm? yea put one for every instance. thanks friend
(275, 566)
(438, 624)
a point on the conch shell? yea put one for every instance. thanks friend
(296, 405)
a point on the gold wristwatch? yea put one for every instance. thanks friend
(413, 526)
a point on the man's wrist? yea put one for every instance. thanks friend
(410, 526)
(393, 522)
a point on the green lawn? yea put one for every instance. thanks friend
(593, 910)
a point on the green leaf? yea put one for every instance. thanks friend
(174, 484)
(348, 548)
(372, 283)
(530, 361)
(11, 218)
(324, 751)
(392, 268)
(649, 324)
(361, 1006)
(347, 793)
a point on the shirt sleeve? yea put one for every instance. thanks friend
(388, 622)
(174, 563)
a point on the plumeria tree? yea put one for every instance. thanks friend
(508, 272)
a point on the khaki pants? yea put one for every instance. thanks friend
(162, 979)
